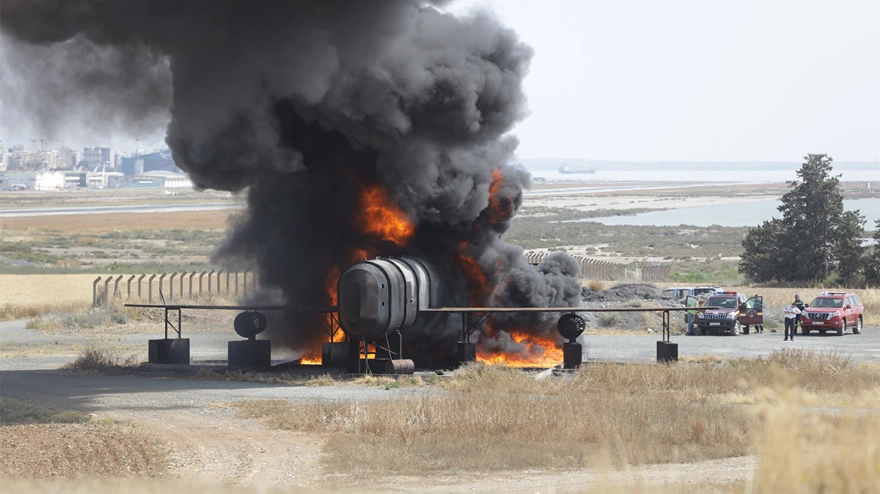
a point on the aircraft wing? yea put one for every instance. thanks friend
(328, 308)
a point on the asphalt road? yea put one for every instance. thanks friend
(37, 378)
(864, 347)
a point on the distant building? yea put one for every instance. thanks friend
(69, 156)
(4, 159)
(159, 160)
(46, 159)
(44, 180)
(155, 178)
(97, 157)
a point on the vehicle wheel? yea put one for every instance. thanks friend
(805, 331)
(698, 331)
(858, 328)
(842, 328)
(736, 329)
(746, 329)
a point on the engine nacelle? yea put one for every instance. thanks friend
(382, 295)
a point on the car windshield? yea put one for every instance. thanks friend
(827, 302)
(726, 302)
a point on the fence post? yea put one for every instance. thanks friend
(116, 293)
(244, 284)
(191, 275)
(95, 292)
(227, 283)
(210, 275)
(236, 283)
(219, 273)
(182, 276)
(200, 282)
(129, 286)
(150, 288)
(161, 279)
(139, 285)
(107, 290)
(171, 286)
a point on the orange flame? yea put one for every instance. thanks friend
(477, 279)
(382, 218)
(499, 209)
(538, 352)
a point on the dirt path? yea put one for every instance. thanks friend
(225, 450)
(234, 451)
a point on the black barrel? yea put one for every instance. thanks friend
(400, 366)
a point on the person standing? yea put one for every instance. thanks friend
(692, 314)
(800, 306)
(759, 305)
(791, 312)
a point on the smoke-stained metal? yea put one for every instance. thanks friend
(382, 295)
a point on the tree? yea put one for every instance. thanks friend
(815, 237)
(872, 264)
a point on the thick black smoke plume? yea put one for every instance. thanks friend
(305, 104)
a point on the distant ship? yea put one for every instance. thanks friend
(563, 168)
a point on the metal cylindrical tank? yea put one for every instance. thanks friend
(382, 295)
(404, 366)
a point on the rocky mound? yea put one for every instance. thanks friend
(629, 295)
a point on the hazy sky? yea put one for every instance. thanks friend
(699, 80)
(768, 80)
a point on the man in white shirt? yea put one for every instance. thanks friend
(791, 313)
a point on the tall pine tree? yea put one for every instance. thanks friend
(815, 237)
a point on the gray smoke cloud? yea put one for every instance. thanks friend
(303, 104)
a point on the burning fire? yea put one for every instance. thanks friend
(382, 218)
(499, 209)
(536, 352)
(478, 283)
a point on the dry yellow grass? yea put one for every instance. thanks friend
(28, 296)
(493, 418)
(46, 289)
(109, 222)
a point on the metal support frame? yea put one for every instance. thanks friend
(169, 323)
(470, 324)
(331, 325)
(666, 326)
